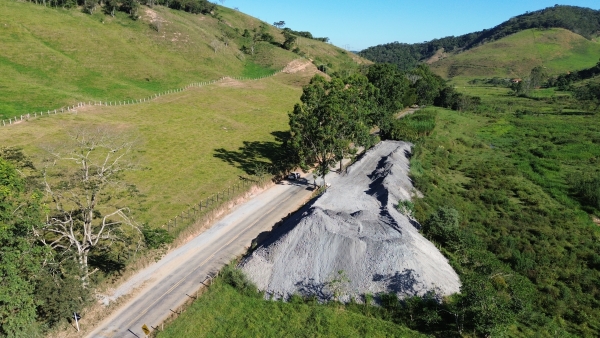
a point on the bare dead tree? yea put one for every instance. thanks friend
(84, 185)
(413, 78)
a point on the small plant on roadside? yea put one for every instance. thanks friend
(155, 238)
(338, 284)
(406, 208)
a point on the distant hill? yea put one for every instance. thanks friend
(557, 50)
(51, 57)
(581, 21)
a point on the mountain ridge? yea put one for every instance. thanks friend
(580, 20)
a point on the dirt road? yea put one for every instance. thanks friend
(167, 284)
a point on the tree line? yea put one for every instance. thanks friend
(335, 117)
(130, 7)
(582, 21)
(563, 81)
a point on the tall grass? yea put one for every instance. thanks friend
(414, 126)
(233, 308)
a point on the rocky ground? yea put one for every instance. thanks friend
(352, 240)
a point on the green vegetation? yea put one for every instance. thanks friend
(411, 128)
(557, 50)
(333, 119)
(582, 21)
(305, 34)
(33, 282)
(132, 59)
(232, 307)
(521, 178)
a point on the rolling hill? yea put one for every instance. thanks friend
(52, 57)
(581, 21)
(557, 50)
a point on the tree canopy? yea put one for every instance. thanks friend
(332, 118)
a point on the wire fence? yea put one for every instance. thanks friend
(204, 211)
(73, 108)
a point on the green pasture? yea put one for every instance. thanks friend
(557, 50)
(54, 57)
(191, 144)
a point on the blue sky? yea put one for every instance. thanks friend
(356, 25)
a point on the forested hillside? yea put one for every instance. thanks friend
(582, 21)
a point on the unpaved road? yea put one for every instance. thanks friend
(182, 271)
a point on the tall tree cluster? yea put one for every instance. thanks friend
(335, 117)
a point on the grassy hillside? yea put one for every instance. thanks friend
(580, 20)
(179, 136)
(53, 57)
(558, 50)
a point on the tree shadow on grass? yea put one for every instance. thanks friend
(261, 157)
(107, 263)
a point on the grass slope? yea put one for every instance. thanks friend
(179, 136)
(557, 49)
(224, 311)
(53, 57)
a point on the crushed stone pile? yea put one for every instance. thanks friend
(354, 228)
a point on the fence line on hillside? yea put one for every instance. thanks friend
(73, 108)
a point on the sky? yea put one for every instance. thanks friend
(356, 25)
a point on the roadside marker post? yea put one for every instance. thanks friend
(145, 329)
(77, 317)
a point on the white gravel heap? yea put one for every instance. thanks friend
(356, 228)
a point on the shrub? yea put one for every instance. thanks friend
(155, 238)
(587, 189)
(442, 226)
(236, 278)
(406, 208)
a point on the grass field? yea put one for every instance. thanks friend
(179, 137)
(54, 57)
(556, 49)
(510, 171)
(224, 311)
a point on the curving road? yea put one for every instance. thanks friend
(167, 284)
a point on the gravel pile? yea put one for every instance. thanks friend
(354, 228)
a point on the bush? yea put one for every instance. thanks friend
(155, 238)
(236, 278)
(442, 226)
(406, 208)
(586, 188)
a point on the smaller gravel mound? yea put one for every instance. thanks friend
(352, 240)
